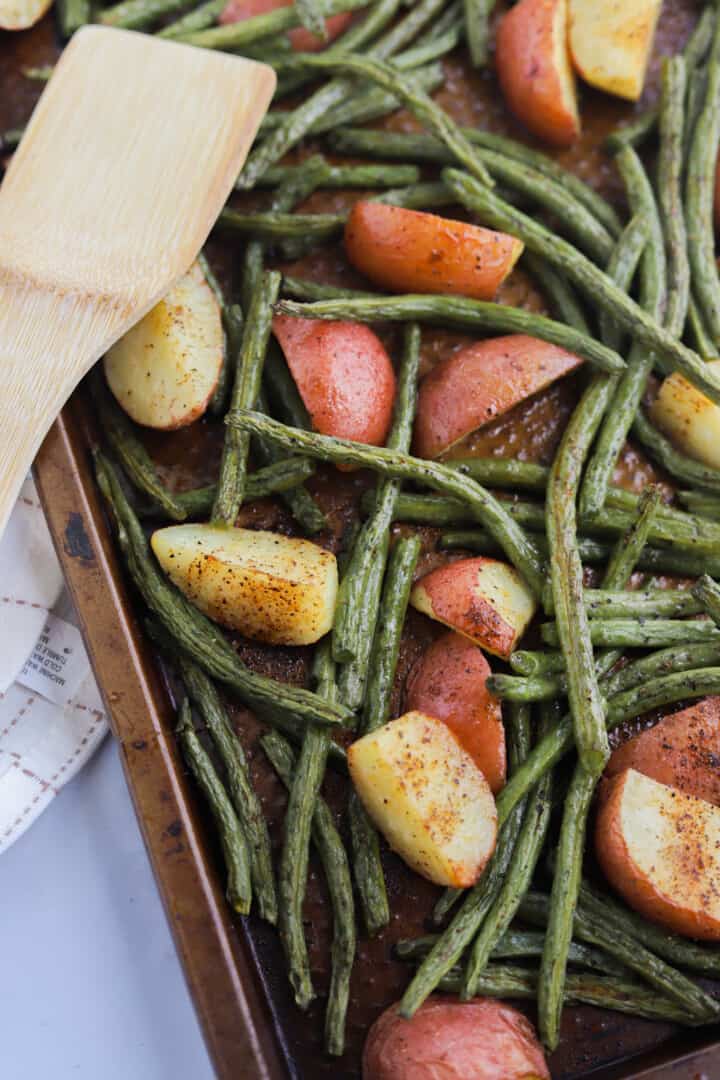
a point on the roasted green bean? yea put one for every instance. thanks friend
(246, 803)
(707, 592)
(239, 34)
(679, 950)
(233, 467)
(403, 146)
(232, 839)
(137, 464)
(359, 595)
(661, 691)
(563, 901)
(699, 196)
(330, 847)
(621, 269)
(485, 507)
(292, 874)
(200, 18)
(462, 314)
(348, 176)
(630, 387)
(139, 14)
(72, 14)
(669, 189)
(369, 877)
(566, 579)
(530, 841)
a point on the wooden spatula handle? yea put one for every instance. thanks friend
(44, 341)
(127, 160)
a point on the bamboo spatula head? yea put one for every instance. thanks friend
(128, 159)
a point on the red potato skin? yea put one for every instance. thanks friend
(640, 894)
(448, 682)
(682, 751)
(481, 382)
(474, 1040)
(343, 374)
(302, 40)
(526, 61)
(411, 251)
(454, 601)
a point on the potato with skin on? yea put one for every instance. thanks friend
(448, 681)
(475, 385)
(689, 418)
(164, 370)
(660, 849)
(611, 43)
(682, 750)
(533, 66)
(413, 251)
(301, 40)
(427, 797)
(483, 599)
(343, 374)
(274, 588)
(21, 14)
(450, 1039)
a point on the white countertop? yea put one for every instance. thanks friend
(92, 989)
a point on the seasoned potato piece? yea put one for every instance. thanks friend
(428, 798)
(20, 14)
(689, 418)
(477, 384)
(611, 42)
(483, 599)
(273, 588)
(164, 370)
(681, 750)
(534, 69)
(661, 850)
(454, 1040)
(448, 682)
(343, 374)
(412, 251)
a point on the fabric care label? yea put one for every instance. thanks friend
(58, 663)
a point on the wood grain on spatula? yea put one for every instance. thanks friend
(128, 159)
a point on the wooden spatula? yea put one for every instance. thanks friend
(128, 159)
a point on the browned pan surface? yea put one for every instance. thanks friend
(234, 967)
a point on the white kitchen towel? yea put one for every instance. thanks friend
(51, 715)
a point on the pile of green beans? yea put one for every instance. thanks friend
(632, 289)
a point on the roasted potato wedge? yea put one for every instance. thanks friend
(428, 798)
(448, 682)
(454, 1040)
(163, 371)
(534, 69)
(477, 384)
(412, 251)
(689, 418)
(21, 14)
(661, 850)
(273, 588)
(483, 599)
(681, 750)
(343, 374)
(611, 42)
